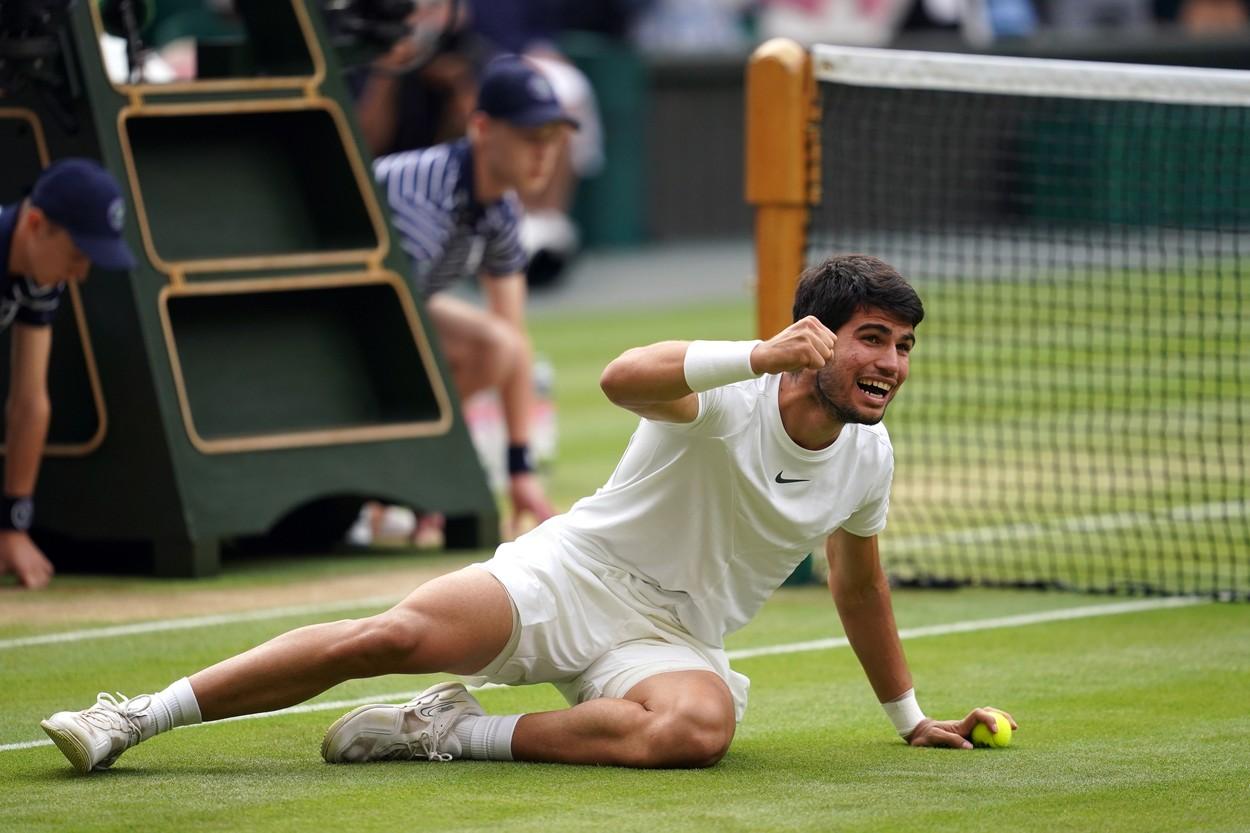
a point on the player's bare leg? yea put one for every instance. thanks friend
(456, 623)
(678, 719)
(481, 348)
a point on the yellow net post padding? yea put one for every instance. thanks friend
(781, 165)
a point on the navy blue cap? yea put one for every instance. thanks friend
(83, 198)
(515, 91)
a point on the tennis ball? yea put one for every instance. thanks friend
(982, 736)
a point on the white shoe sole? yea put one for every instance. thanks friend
(69, 745)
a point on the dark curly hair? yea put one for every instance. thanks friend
(834, 289)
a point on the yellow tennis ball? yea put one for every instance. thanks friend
(982, 736)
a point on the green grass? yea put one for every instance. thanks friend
(1128, 723)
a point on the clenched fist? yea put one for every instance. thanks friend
(805, 344)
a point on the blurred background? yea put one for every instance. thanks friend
(667, 81)
(659, 85)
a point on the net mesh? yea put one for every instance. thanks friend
(1078, 407)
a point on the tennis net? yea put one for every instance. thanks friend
(1078, 413)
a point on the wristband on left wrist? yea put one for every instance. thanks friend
(16, 513)
(904, 712)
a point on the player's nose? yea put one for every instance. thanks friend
(888, 362)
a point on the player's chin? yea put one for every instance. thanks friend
(870, 410)
(862, 416)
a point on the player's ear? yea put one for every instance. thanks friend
(477, 126)
(36, 221)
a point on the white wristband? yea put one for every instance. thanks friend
(711, 364)
(904, 712)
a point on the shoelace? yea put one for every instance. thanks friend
(424, 745)
(117, 713)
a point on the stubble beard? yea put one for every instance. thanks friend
(843, 412)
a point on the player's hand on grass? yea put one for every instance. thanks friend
(805, 344)
(529, 502)
(19, 555)
(954, 733)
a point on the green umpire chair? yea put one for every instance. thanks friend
(266, 366)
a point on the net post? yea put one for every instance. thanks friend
(780, 181)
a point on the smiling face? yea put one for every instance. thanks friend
(869, 365)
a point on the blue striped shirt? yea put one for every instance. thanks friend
(20, 297)
(448, 234)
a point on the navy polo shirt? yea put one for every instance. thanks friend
(20, 297)
(449, 234)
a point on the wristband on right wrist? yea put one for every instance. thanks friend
(904, 712)
(712, 364)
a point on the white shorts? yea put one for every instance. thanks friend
(589, 629)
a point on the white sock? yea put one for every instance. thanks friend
(175, 706)
(486, 737)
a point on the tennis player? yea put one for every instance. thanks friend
(748, 456)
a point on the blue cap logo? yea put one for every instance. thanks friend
(540, 88)
(117, 215)
(514, 90)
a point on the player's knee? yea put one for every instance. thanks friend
(689, 739)
(506, 345)
(706, 744)
(380, 644)
(496, 348)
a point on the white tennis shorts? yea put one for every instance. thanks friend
(589, 629)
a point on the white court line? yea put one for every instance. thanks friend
(894, 547)
(770, 650)
(196, 622)
(982, 624)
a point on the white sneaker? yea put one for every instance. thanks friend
(95, 737)
(421, 728)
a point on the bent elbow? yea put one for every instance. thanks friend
(611, 381)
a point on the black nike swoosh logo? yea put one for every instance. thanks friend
(781, 479)
(429, 712)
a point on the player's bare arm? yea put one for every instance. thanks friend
(652, 381)
(861, 592)
(28, 413)
(506, 298)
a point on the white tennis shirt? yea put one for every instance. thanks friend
(715, 514)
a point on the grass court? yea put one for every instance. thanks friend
(1133, 720)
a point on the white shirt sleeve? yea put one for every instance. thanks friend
(722, 411)
(869, 518)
